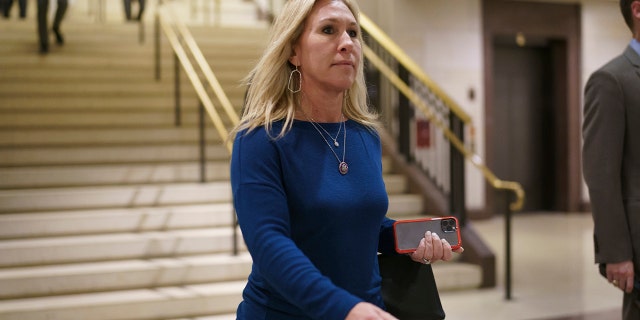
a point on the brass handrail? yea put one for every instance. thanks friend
(395, 51)
(166, 21)
(474, 158)
(208, 73)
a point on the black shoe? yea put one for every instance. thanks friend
(59, 38)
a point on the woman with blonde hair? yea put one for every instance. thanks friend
(306, 174)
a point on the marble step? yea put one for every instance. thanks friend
(108, 38)
(122, 275)
(120, 88)
(83, 103)
(96, 33)
(454, 275)
(85, 61)
(69, 136)
(114, 220)
(405, 205)
(108, 154)
(105, 119)
(103, 197)
(232, 69)
(139, 74)
(117, 246)
(154, 303)
(112, 37)
(190, 11)
(114, 174)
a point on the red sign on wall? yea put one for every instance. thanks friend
(423, 131)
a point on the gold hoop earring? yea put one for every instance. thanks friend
(289, 85)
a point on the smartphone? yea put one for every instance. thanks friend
(408, 233)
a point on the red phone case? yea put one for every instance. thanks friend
(408, 233)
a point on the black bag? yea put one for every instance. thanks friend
(409, 289)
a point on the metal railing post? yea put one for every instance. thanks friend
(505, 197)
(176, 89)
(405, 116)
(156, 39)
(456, 172)
(203, 151)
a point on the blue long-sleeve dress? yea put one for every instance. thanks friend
(312, 232)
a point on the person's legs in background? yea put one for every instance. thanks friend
(5, 6)
(127, 9)
(23, 8)
(43, 34)
(60, 11)
(140, 8)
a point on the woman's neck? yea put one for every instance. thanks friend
(321, 107)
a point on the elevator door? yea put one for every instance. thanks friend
(523, 135)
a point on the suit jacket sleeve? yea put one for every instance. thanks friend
(604, 136)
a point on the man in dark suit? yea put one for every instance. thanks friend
(611, 163)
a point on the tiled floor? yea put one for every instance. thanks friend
(554, 277)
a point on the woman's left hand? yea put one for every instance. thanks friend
(432, 249)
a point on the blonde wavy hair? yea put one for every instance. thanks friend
(268, 99)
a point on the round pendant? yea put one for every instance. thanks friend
(343, 168)
(335, 143)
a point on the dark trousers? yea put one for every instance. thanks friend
(631, 305)
(7, 4)
(43, 30)
(127, 9)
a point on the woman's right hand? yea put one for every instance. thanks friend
(368, 311)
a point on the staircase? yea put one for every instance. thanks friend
(101, 214)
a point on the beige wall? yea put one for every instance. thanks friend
(445, 38)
